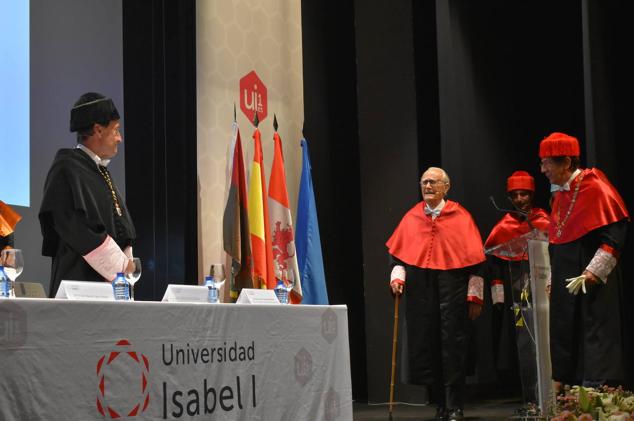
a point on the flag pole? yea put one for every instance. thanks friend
(394, 342)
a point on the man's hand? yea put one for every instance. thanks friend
(7, 259)
(397, 288)
(591, 278)
(474, 310)
(130, 267)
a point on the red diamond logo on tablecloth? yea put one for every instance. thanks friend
(123, 358)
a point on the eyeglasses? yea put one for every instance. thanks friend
(431, 182)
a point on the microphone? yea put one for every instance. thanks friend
(521, 213)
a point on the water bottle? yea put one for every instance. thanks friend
(121, 288)
(212, 291)
(5, 284)
(281, 292)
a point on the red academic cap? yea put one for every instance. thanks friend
(559, 144)
(520, 180)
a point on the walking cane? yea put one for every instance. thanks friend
(394, 342)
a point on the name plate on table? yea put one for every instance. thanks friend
(257, 296)
(82, 290)
(177, 293)
(29, 290)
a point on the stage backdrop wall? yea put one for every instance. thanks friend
(75, 47)
(232, 40)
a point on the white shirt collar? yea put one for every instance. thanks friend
(566, 185)
(436, 211)
(93, 156)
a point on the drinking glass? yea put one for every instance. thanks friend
(134, 276)
(13, 263)
(217, 272)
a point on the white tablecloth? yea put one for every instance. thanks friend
(81, 360)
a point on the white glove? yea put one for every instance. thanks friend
(574, 284)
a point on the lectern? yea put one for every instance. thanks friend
(531, 309)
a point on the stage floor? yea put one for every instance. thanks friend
(485, 410)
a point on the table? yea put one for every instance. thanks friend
(82, 360)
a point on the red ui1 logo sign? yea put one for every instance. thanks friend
(253, 96)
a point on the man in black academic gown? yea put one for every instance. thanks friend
(85, 224)
(586, 235)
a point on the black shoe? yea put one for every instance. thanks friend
(455, 415)
(441, 414)
(528, 410)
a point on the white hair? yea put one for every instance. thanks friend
(445, 176)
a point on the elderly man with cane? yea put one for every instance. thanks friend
(436, 251)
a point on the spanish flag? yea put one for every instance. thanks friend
(263, 274)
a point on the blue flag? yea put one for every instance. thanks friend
(307, 240)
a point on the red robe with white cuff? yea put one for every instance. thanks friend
(499, 328)
(586, 330)
(439, 258)
(508, 228)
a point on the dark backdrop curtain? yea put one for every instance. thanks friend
(159, 45)
(330, 113)
(390, 89)
(473, 87)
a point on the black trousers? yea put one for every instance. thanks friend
(437, 332)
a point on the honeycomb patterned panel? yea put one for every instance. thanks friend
(233, 38)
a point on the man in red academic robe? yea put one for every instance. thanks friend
(587, 232)
(508, 276)
(436, 251)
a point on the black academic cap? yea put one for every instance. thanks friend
(92, 108)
